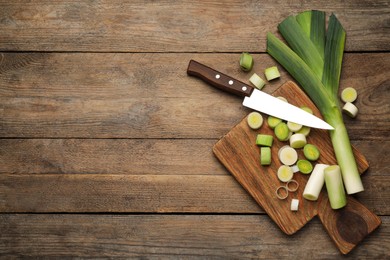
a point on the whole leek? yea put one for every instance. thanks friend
(314, 60)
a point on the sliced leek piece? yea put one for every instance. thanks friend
(305, 166)
(294, 205)
(350, 109)
(273, 121)
(348, 95)
(305, 130)
(264, 140)
(288, 155)
(282, 132)
(298, 141)
(272, 73)
(285, 173)
(265, 155)
(257, 81)
(255, 120)
(246, 61)
(311, 152)
(294, 127)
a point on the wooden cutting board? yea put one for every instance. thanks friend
(238, 152)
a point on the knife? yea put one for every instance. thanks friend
(254, 98)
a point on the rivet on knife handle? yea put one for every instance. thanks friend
(218, 79)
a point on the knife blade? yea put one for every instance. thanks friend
(254, 98)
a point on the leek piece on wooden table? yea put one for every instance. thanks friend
(314, 60)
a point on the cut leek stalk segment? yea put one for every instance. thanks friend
(294, 168)
(246, 61)
(265, 155)
(335, 187)
(307, 109)
(315, 183)
(294, 205)
(298, 141)
(348, 95)
(292, 185)
(282, 98)
(305, 166)
(255, 120)
(282, 132)
(350, 109)
(311, 152)
(285, 173)
(272, 73)
(288, 155)
(273, 121)
(257, 81)
(294, 127)
(314, 60)
(264, 140)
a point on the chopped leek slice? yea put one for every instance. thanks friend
(311, 152)
(298, 141)
(255, 120)
(294, 127)
(272, 73)
(350, 109)
(265, 155)
(305, 166)
(294, 205)
(348, 95)
(264, 140)
(305, 130)
(273, 121)
(257, 81)
(246, 61)
(282, 132)
(287, 155)
(285, 173)
(307, 109)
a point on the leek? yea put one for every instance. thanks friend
(314, 60)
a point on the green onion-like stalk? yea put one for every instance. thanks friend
(314, 60)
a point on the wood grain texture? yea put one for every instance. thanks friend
(73, 95)
(173, 237)
(176, 26)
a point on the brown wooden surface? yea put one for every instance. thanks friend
(106, 143)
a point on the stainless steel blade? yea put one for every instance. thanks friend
(273, 106)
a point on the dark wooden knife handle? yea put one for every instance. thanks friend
(349, 225)
(218, 79)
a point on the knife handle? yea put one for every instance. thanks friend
(218, 79)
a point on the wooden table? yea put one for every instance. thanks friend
(106, 143)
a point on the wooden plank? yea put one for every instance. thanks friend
(172, 26)
(136, 156)
(173, 236)
(147, 193)
(95, 95)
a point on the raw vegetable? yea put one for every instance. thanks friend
(294, 168)
(285, 173)
(283, 99)
(350, 109)
(282, 132)
(273, 121)
(314, 61)
(307, 109)
(315, 183)
(335, 187)
(257, 81)
(255, 120)
(264, 140)
(282, 192)
(348, 95)
(305, 130)
(246, 61)
(265, 155)
(287, 155)
(272, 73)
(311, 152)
(294, 127)
(293, 187)
(297, 141)
(294, 205)
(305, 166)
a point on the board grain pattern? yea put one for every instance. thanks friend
(238, 152)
